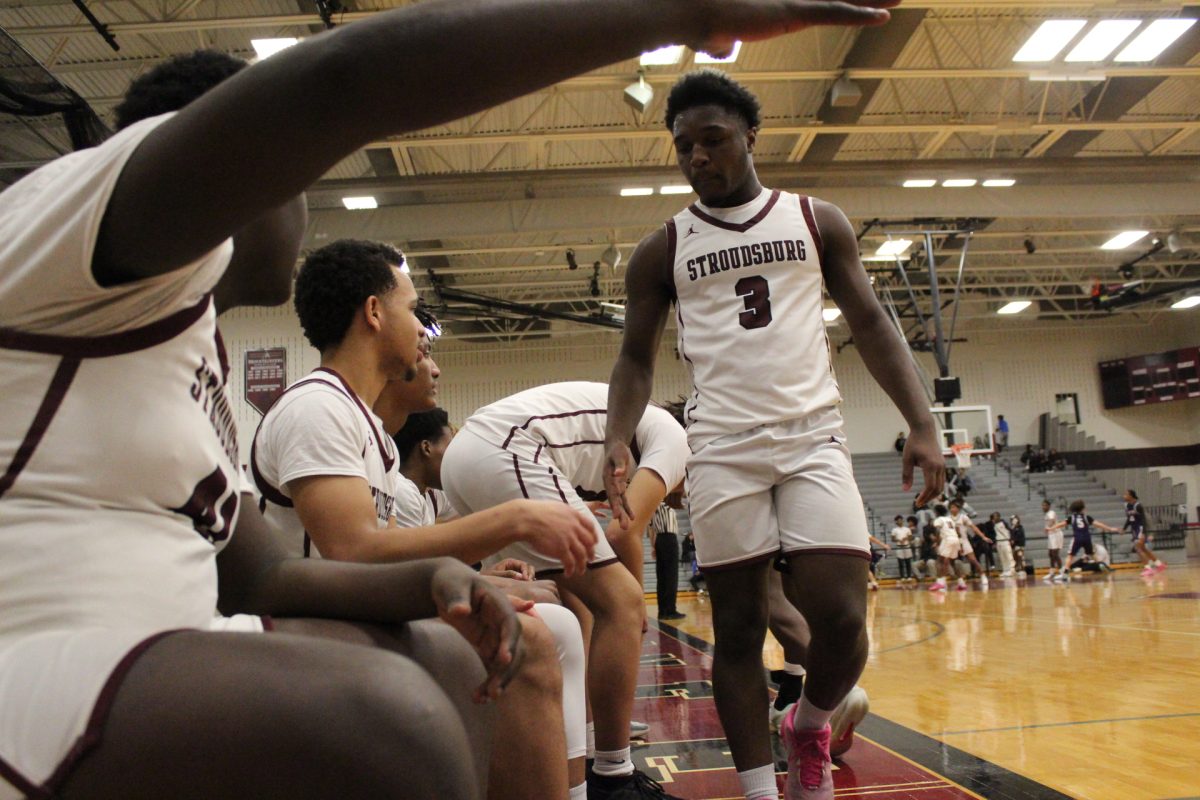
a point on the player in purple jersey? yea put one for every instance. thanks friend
(714, 123)
(1081, 532)
(1135, 523)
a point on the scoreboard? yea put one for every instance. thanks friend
(1157, 378)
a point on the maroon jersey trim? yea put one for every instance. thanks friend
(389, 458)
(55, 393)
(563, 415)
(94, 731)
(739, 227)
(113, 344)
(811, 219)
(672, 246)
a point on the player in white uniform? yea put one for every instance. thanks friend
(963, 523)
(770, 471)
(328, 471)
(1054, 540)
(548, 443)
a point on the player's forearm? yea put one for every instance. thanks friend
(468, 539)
(323, 588)
(629, 390)
(889, 361)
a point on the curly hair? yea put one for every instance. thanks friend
(336, 280)
(426, 426)
(174, 83)
(676, 408)
(712, 87)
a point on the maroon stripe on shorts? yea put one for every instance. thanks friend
(749, 561)
(55, 393)
(94, 731)
(558, 486)
(542, 574)
(828, 551)
(520, 480)
(563, 415)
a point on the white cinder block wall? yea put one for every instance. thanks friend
(1017, 372)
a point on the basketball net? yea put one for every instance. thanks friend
(962, 454)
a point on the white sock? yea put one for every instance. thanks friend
(808, 717)
(759, 783)
(794, 669)
(579, 792)
(613, 763)
(591, 740)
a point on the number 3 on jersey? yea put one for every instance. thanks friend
(756, 293)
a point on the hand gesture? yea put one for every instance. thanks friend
(921, 450)
(618, 467)
(559, 531)
(511, 568)
(486, 618)
(727, 21)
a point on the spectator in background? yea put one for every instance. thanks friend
(1017, 531)
(876, 557)
(1054, 461)
(1001, 433)
(902, 538)
(664, 547)
(901, 440)
(1027, 455)
(927, 556)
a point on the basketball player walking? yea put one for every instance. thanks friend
(769, 477)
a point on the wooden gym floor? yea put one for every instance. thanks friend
(1086, 690)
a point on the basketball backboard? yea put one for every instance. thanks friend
(971, 425)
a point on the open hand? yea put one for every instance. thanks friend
(921, 450)
(486, 618)
(618, 467)
(727, 21)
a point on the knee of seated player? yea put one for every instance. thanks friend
(540, 674)
(612, 595)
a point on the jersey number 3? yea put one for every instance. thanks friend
(756, 293)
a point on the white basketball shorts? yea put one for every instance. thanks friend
(1054, 540)
(56, 688)
(786, 488)
(950, 548)
(478, 475)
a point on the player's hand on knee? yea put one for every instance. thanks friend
(559, 531)
(487, 618)
(511, 568)
(727, 21)
(618, 467)
(533, 591)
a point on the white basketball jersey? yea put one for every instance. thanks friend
(118, 450)
(563, 424)
(749, 298)
(412, 509)
(320, 427)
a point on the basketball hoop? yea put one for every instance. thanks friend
(962, 454)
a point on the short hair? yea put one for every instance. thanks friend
(913, 520)
(336, 280)
(899, 517)
(174, 83)
(1046, 503)
(677, 408)
(1132, 493)
(1077, 506)
(426, 426)
(941, 510)
(707, 87)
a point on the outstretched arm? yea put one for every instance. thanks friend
(886, 355)
(648, 301)
(267, 133)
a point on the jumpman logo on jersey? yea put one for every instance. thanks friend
(691, 230)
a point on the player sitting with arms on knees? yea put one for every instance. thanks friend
(745, 268)
(547, 444)
(421, 431)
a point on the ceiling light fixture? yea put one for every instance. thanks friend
(637, 191)
(1049, 39)
(360, 203)
(1014, 307)
(1101, 40)
(663, 56)
(1123, 240)
(959, 183)
(1187, 302)
(705, 58)
(894, 247)
(679, 188)
(265, 48)
(919, 183)
(995, 183)
(638, 94)
(1157, 37)
(830, 314)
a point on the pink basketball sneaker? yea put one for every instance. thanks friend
(810, 769)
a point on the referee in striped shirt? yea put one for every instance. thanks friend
(664, 535)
